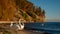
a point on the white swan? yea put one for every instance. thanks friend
(20, 26)
(11, 24)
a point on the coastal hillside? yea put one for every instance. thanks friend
(13, 10)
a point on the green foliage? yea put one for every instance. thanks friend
(24, 15)
(17, 16)
(31, 14)
(38, 11)
(43, 12)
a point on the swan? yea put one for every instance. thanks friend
(20, 26)
(11, 24)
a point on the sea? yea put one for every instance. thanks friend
(47, 27)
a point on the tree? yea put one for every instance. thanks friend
(43, 12)
(38, 11)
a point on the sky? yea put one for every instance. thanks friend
(51, 7)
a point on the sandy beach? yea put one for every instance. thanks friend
(28, 32)
(6, 29)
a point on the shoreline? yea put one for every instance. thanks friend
(5, 29)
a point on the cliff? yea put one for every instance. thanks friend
(13, 10)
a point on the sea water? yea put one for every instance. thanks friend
(49, 27)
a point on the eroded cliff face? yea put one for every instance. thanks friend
(36, 13)
(7, 9)
(20, 9)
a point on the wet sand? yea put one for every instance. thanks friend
(6, 29)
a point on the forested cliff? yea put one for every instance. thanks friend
(13, 10)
